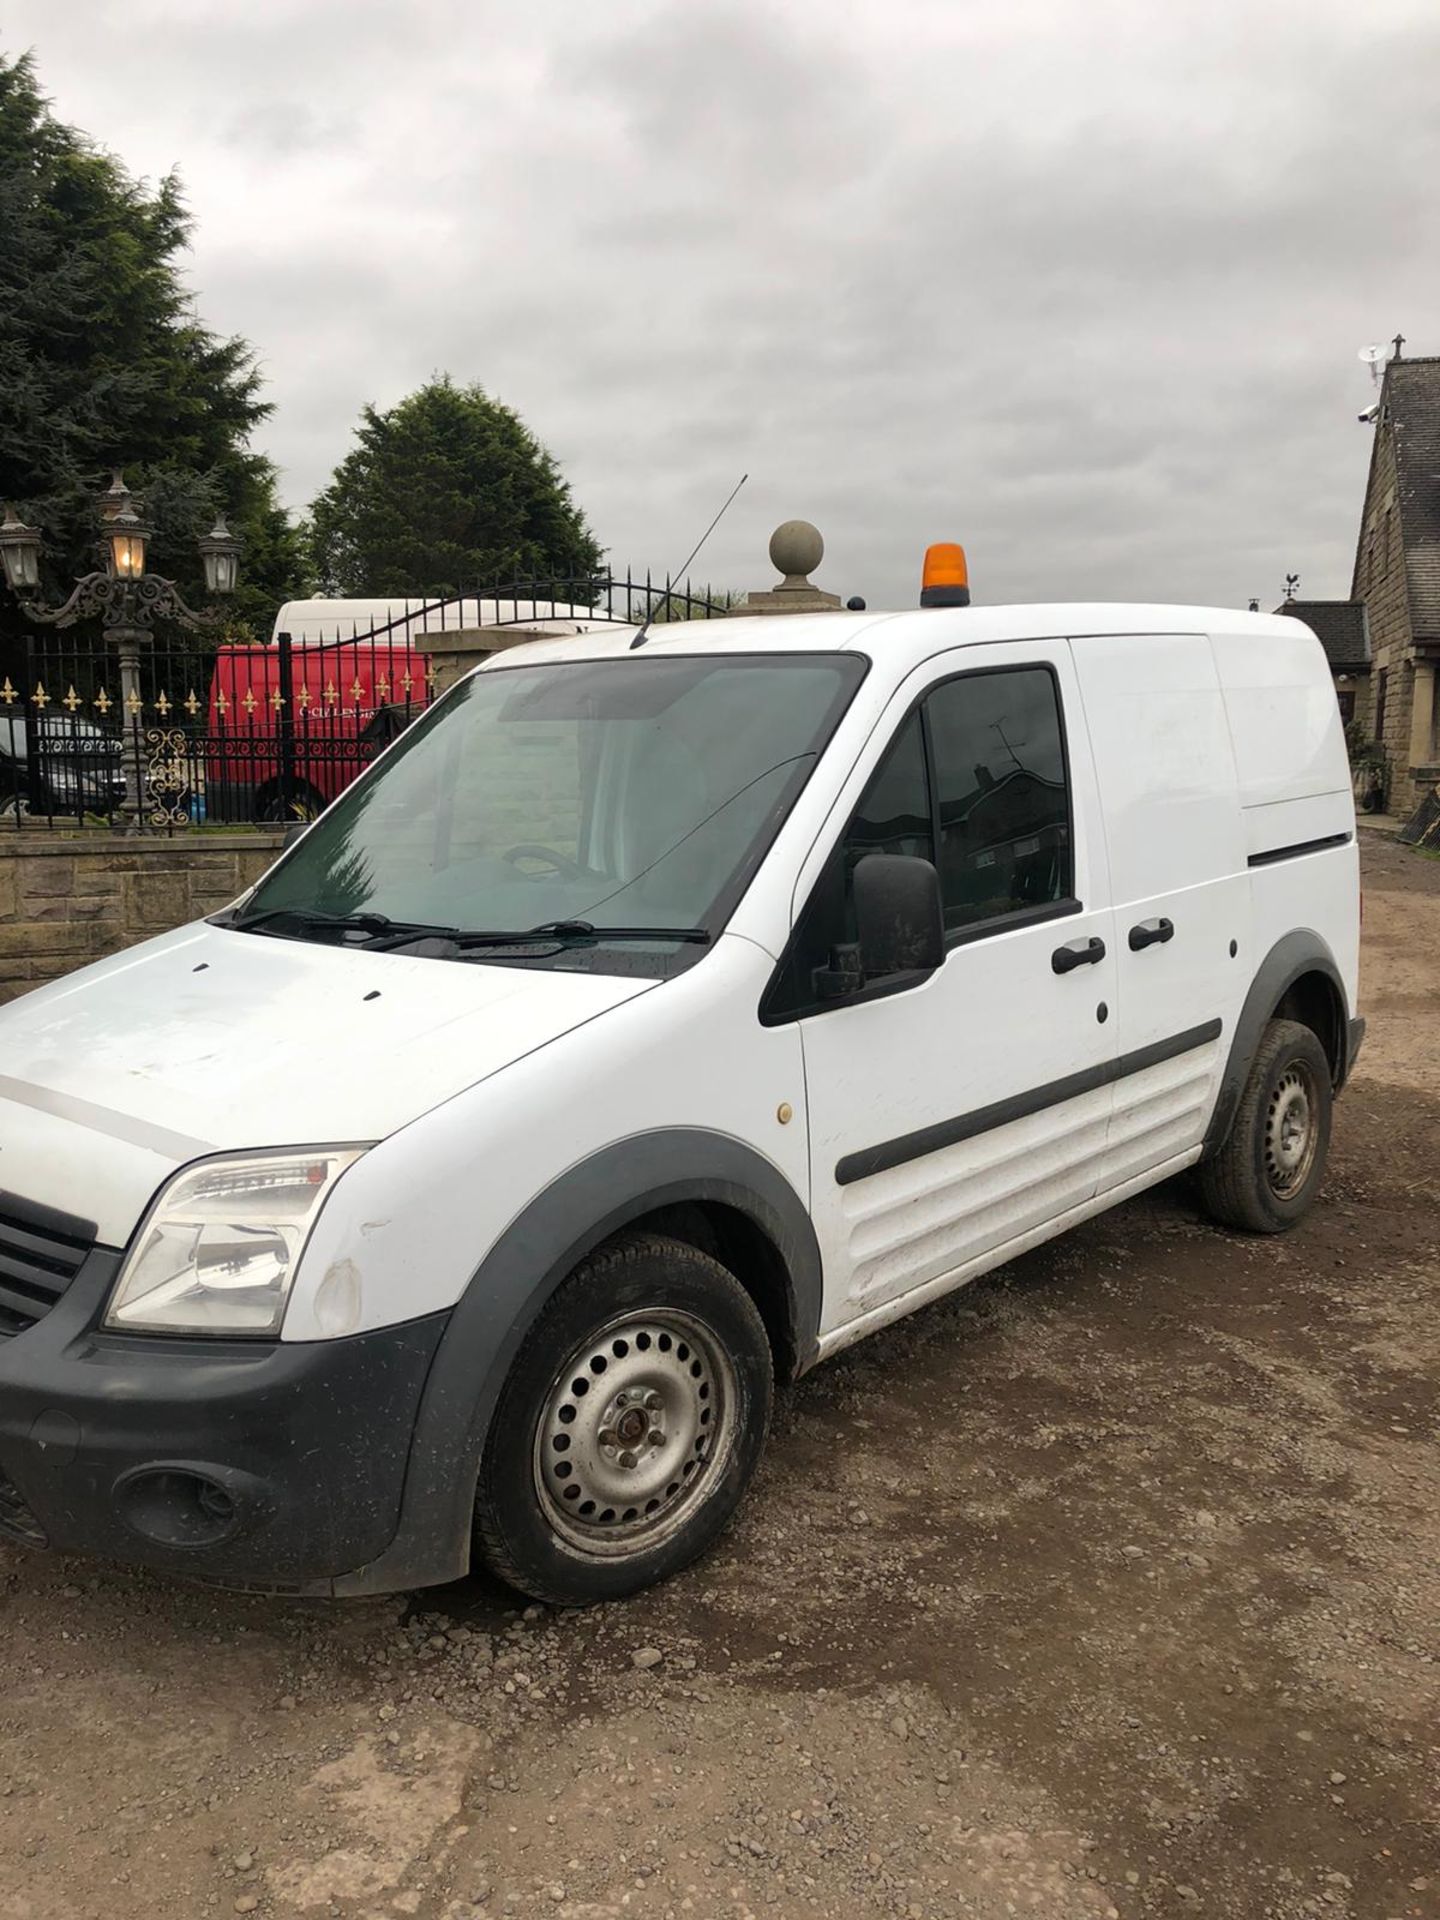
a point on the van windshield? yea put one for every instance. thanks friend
(633, 797)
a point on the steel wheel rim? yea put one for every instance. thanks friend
(1292, 1132)
(626, 1449)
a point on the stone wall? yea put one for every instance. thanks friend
(67, 899)
(1380, 583)
(1406, 729)
(454, 651)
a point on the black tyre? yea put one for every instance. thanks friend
(303, 803)
(1265, 1177)
(629, 1428)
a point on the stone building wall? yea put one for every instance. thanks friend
(1380, 583)
(67, 899)
(1403, 676)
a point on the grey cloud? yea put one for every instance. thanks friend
(1081, 286)
(281, 127)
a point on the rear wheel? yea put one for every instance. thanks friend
(629, 1428)
(1266, 1175)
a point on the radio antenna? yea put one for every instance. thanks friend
(644, 632)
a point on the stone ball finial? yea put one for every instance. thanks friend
(796, 549)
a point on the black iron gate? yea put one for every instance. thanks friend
(182, 733)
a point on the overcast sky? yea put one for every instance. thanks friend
(1080, 283)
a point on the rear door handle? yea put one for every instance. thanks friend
(1151, 933)
(1077, 953)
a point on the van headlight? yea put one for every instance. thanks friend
(218, 1250)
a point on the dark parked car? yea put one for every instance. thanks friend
(59, 764)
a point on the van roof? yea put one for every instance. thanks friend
(916, 632)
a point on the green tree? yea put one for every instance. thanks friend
(444, 493)
(103, 364)
(698, 603)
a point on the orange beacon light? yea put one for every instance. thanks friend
(946, 579)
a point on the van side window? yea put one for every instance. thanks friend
(979, 767)
(894, 816)
(894, 812)
(1002, 800)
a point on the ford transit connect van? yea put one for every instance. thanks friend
(648, 1024)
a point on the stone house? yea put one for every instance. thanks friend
(1384, 642)
(1397, 577)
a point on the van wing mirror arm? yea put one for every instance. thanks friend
(842, 977)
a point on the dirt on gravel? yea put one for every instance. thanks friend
(1108, 1587)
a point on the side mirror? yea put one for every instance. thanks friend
(898, 916)
(295, 831)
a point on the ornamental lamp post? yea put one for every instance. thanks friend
(116, 497)
(126, 599)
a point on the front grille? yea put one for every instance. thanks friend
(17, 1522)
(37, 1264)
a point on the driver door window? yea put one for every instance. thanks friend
(978, 771)
(894, 816)
(1001, 795)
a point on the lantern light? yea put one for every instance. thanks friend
(125, 540)
(20, 549)
(220, 551)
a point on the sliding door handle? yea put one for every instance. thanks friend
(1151, 933)
(1077, 953)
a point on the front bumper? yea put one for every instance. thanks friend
(250, 1463)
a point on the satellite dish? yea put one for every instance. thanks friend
(1375, 358)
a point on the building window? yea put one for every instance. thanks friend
(1382, 683)
(1346, 697)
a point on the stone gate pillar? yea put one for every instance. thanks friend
(796, 550)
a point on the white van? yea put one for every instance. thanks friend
(401, 622)
(650, 1023)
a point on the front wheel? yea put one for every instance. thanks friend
(629, 1427)
(1266, 1174)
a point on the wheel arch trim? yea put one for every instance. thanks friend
(1297, 954)
(581, 1209)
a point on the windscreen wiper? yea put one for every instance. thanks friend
(559, 933)
(307, 919)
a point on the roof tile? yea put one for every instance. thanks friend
(1341, 626)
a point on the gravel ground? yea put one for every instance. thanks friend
(1109, 1587)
